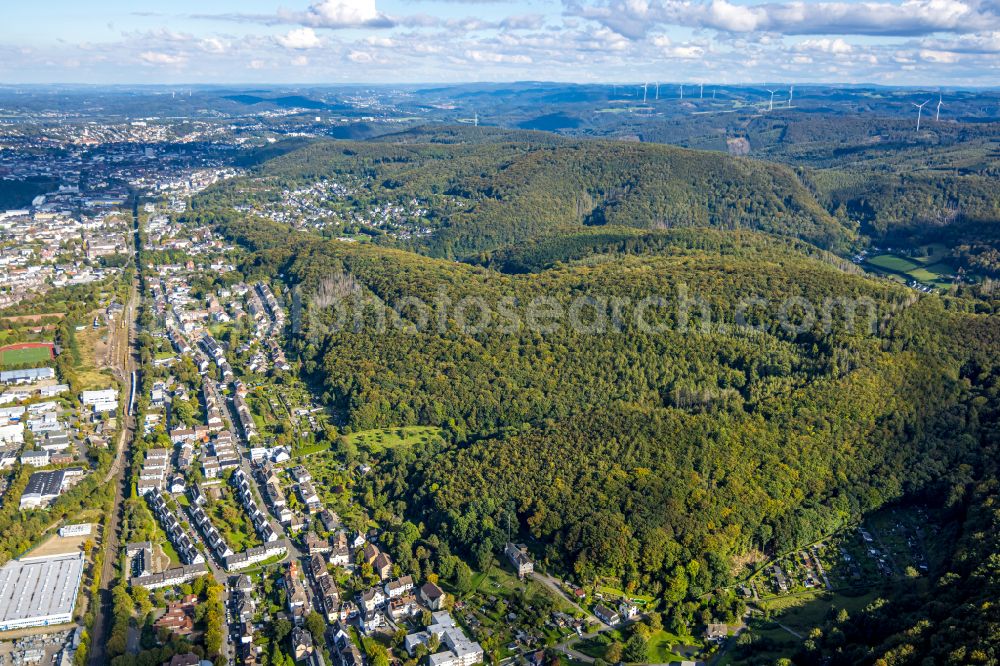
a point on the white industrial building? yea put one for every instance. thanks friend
(12, 433)
(98, 397)
(79, 529)
(39, 591)
(26, 376)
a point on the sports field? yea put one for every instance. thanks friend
(25, 353)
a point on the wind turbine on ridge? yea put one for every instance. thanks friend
(937, 116)
(770, 104)
(920, 110)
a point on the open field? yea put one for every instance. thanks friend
(893, 262)
(93, 349)
(57, 545)
(927, 269)
(662, 647)
(805, 611)
(390, 438)
(16, 357)
(33, 318)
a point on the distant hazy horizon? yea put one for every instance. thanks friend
(183, 86)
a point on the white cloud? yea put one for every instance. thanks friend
(796, 17)
(344, 14)
(985, 43)
(300, 38)
(682, 51)
(939, 56)
(604, 39)
(213, 45)
(487, 56)
(157, 58)
(734, 18)
(360, 56)
(523, 22)
(824, 45)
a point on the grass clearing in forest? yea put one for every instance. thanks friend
(893, 262)
(928, 269)
(802, 612)
(389, 438)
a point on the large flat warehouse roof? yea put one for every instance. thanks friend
(39, 591)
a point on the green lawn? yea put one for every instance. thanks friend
(772, 643)
(310, 449)
(928, 269)
(607, 591)
(802, 612)
(388, 438)
(661, 646)
(941, 268)
(893, 262)
(234, 525)
(169, 551)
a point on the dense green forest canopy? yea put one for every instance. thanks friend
(630, 453)
(849, 181)
(484, 196)
(731, 387)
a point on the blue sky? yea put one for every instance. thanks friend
(905, 42)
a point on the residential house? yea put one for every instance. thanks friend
(519, 560)
(432, 596)
(606, 615)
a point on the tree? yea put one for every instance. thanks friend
(655, 622)
(614, 652)
(463, 577)
(316, 626)
(636, 649)
(281, 628)
(377, 654)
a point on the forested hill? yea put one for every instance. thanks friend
(630, 452)
(547, 251)
(470, 135)
(484, 196)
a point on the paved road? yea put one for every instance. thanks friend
(554, 584)
(566, 647)
(573, 654)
